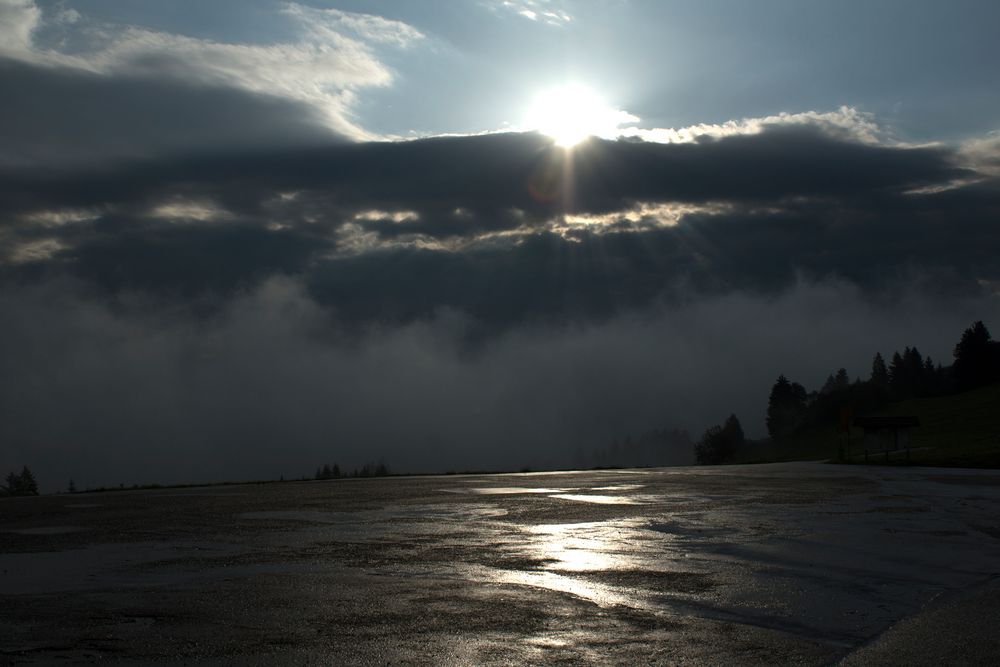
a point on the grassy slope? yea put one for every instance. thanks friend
(959, 430)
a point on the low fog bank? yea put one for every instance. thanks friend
(132, 391)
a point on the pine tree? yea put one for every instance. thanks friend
(914, 362)
(23, 484)
(720, 443)
(705, 452)
(779, 393)
(880, 374)
(733, 431)
(28, 484)
(786, 407)
(977, 360)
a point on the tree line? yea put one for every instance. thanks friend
(976, 363)
(326, 471)
(22, 484)
(792, 409)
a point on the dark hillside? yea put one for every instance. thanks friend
(956, 430)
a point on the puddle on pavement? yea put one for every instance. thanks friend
(503, 490)
(600, 594)
(619, 487)
(580, 546)
(596, 499)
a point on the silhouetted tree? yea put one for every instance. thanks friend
(880, 374)
(71, 487)
(706, 450)
(835, 383)
(326, 471)
(932, 378)
(786, 407)
(23, 484)
(379, 469)
(28, 482)
(977, 358)
(878, 381)
(906, 374)
(720, 443)
(914, 363)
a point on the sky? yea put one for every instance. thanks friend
(244, 238)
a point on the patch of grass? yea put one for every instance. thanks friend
(959, 430)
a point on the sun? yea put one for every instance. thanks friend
(571, 113)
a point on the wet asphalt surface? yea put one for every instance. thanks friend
(772, 564)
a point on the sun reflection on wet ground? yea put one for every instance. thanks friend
(503, 490)
(595, 498)
(577, 546)
(618, 487)
(573, 548)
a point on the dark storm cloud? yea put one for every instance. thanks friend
(187, 260)
(549, 277)
(497, 172)
(363, 224)
(57, 115)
